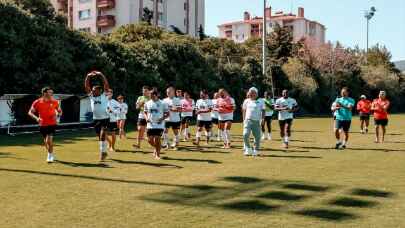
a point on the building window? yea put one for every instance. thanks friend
(85, 29)
(312, 29)
(160, 16)
(185, 6)
(84, 14)
(99, 30)
(84, 1)
(228, 34)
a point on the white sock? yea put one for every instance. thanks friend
(219, 133)
(165, 139)
(286, 139)
(209, 134)
(101, 146)
(176, 138)
(105, 146)
(198, 134)
(223, 136)
(344, 143)
(228, 136)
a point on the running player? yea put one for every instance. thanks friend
(215, 116)
(253, 112)
(286, 107)
(380, 107)
(204, 119)
(269, 110)
(48, 111)
(364, 109)
(113, 110)
(187, 108)
(99, 103)
(173, 121)
(122, 117)
(155, 112)
(343, 108)
(140, 104)
(226, 107)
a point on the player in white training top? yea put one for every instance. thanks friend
(173, 121)
(286, 107)
(204, 119)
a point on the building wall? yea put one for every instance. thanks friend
(87, 23)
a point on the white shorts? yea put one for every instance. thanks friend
(122, 117)
(187, 114)
(225, 116)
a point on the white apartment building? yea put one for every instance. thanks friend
(102, 16)
(301, 27)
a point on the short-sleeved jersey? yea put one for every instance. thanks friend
(289, 103)
(253, 109)
(379, 112)
(173, 103)
(225, 105)
(141, 101)
(99, 106)
(364, 106)
(155, 111)
(214, 112)
(268, 106)
(204, 105)
(47, 111)
(344, 113)
(123, 111)
(113, 110)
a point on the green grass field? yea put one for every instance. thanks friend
(309, 185)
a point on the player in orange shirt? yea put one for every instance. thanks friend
(226, 107)
(48, 111)
(364, 109)
(380, 107)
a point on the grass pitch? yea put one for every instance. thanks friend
(308, 185)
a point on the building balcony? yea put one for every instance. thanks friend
(106, 21)
(105, 4)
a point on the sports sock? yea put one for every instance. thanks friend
(101, 145)
(286, 139)
(105, 146)
(223, 133)
(198, 134)
(176, 138)
(228, 136)
(165, 139)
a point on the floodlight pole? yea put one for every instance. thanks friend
(264, 47)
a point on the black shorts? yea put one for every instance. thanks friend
(215, 121)
(172, 125)
(364, 116)
(205, 124)
(154, 132)
(112, 127)
(186, 119)
(282, 123)
(383, 122)
(344, 125)
(47, 130)
(268, 118)
(101, 125)
(142, 122)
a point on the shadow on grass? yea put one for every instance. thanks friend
(371, 193)
(158, 165)
(282, 195)
(350, 149)
(10, 156)
(84, 165)
(291, 156)
(284, 150)
(254, 206)
(306, 187)
(200, 149)
(352, 202)
(327, 214)
(192, 160)
(134, 151)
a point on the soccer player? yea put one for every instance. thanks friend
(269, 110)
(113, 110)
(173, 121)
(286, 107)
(140, 104)
(179, 94)
(364, 109)
(226, 107)
(48, 111)
(253, 112)
(215, 115)
(99, 104)
(122, 117)
(204, 119)
(155, 112)
(187, 108)
(380, 107)
(343, 110)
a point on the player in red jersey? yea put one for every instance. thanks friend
(380, 107)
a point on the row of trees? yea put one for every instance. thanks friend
(37, 50)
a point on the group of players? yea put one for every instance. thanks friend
(157, 116)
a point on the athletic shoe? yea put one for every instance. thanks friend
(361, 132)
(268, 136)
(103, 156)
(343, 147)
(255, 152)
(285, 145)
(263, 137)
(247, 152)
(49, 158)
(338, 145)
(366, 130)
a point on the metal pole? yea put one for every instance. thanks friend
(264, 47)
(368, 22)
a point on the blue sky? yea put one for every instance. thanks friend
(344, 19)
